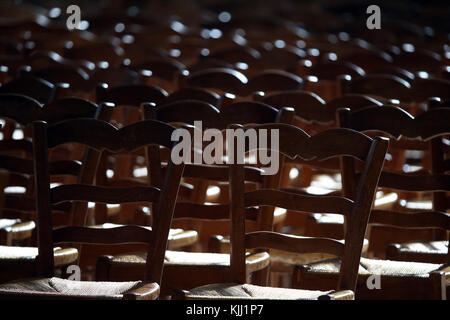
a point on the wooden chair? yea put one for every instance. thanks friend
(296, 143)
(387, 120)
(17, 171)
(107, 137)
(399, 279)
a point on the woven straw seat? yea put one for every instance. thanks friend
(304, 258)
(435, 247)
(247, 291)
(62, 256)
(71, 288)
(5, 223)
(381, 267)
(183, 258)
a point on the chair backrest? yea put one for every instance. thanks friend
(381, 85)
(272, 80)
(129, 95)
(429, 127)
(236, 54)
(419, 60)
(311, 108)
(36, 88)
(294, 142)
(369, 60)
(106, 137)
(331, 70)
(166, 69)
(396, 71)
(114, 77)
(76, 77)
(97, 52)
(222, 79)
(194, 94)
(250, 112)
(424, 89)
(16, 154)
(24, 110)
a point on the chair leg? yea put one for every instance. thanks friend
(102, 268)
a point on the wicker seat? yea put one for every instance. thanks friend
(424, 280)
(421, 251)
(5, 223)
(62, 256)
(381, 267)
(248, 291)
(71, 288)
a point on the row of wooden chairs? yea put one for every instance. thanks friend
(332, 96)
(393, 110)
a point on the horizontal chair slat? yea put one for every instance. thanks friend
(397, 122)
(25, 166)
(292, 243)
(219, 173)
(322, 146)
(108, 136)
(414, 182)
(21, 202)
(209, 212)
(299, 202)
(16, 145)
(81, 192)
(117, 235)
(431, 219)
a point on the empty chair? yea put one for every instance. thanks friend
(107, 137)
(18, 172)
(401, 279)
(295, 142)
